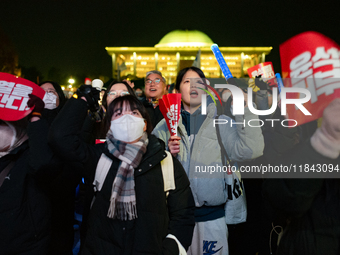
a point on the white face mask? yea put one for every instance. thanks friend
(127, 128)
(50, 101)
(7, 136)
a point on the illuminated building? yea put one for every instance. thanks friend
(177, 50)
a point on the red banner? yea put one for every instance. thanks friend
(265, 69)
(170, 107)
(311, 61)
(14, 93)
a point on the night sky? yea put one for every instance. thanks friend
(72, 35)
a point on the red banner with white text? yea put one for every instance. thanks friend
(14, 93)
(311, 61)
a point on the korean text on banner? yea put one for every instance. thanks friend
(311, 60)
(14, 93)
(266, 70)
(170, 107)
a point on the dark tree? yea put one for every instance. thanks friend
(55, 74)
(8, 55)
(32, 74)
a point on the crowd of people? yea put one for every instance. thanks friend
(143, 194)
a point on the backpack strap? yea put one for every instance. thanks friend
(167, 166)
(225, 158)
(103, 168)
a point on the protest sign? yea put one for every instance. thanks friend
(311, 60)
(266, 70)
(14, 93)
(170, 107)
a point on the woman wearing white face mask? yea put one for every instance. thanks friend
(54, 99)
(116, 89)
(62, 190)
(130, 213)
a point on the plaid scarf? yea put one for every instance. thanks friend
(123, 197)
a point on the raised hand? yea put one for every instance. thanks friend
(173, 145)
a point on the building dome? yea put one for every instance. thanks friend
(185, 38)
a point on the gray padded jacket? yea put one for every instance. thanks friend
(204, 165)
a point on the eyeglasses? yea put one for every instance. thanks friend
(155, 80)
(51, 91)
(115, 93)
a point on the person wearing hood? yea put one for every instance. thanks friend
(25, 208)
(310, 205)
(54, 99)
(62, 189)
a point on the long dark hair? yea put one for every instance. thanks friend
(129, 89)
(134, 104)
(181, 74)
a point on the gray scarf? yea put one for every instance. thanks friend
(123, 197)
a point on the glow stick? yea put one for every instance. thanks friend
(220, 59)
(279, 81)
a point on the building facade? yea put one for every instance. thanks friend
(179, 49)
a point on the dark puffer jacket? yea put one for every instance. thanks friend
(311, 206)
(24, 207)
(61, 191)
(158, 216)
(155, 113)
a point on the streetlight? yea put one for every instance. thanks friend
(71, 81)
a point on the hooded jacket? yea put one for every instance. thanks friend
(311, 206)
(24, 206)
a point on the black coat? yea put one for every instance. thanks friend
(157, 216)
(24, 207)
(311, 207)
(61, 192)
(154, 113)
